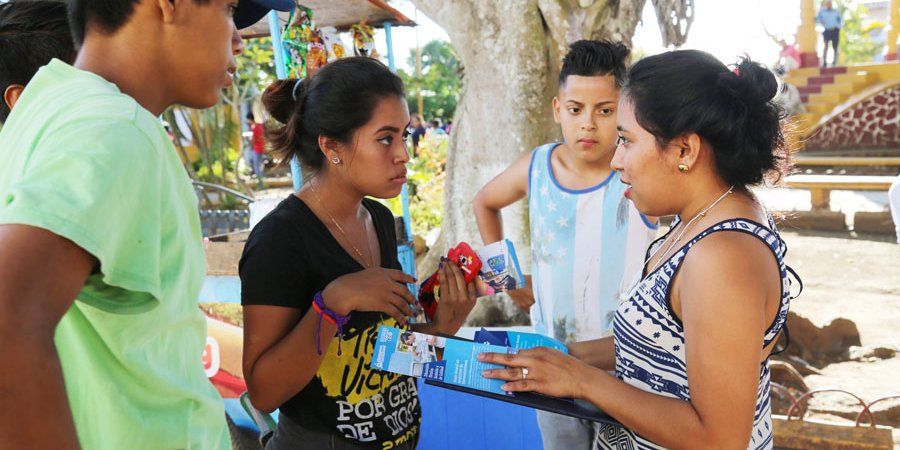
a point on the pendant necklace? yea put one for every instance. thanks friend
(684, 230)
(366, 262)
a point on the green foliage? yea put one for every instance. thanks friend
(856, 44)
(255, 67)
(395, 205)
(217, 168)
(214, 130)
(426, 185)
(426, 176)
(440, 82)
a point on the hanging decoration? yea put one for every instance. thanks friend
(296, 41)
(364, 40)
(333, 43)
(309, 48)
(318, 53)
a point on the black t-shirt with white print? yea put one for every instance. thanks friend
(289, 256)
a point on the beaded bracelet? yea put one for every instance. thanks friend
(338, 319)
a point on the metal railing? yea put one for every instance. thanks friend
(220, 221)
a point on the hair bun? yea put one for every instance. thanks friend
(279, 98)
(753, 83)
(690, 91)
(729, 86)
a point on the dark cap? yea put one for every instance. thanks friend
(251, 11)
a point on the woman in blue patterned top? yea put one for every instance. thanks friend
(692, 340)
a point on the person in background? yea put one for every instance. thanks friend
(257, 147)
(587, 239)
(436, 127)
(101, 258)
(832, 22)
(320, 273)
(691, 344)
(32, 33)
(789, 56)
(417, 133)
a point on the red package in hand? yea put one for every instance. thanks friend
(429, 292)
(463, 256)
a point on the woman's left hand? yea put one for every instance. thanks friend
(540, 369)
(457, 298)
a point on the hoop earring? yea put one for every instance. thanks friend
(683, 168)
(335, 160)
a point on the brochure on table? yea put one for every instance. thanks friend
(436, 358)
(452, 363)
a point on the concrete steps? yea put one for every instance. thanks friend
(823, 89)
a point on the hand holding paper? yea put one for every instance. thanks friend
(417, 354)
(544, 368)
(492, 269)
(459, 364)
(524, 296)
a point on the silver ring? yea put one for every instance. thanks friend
(524, 373)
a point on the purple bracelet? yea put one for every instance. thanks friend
(333, 317)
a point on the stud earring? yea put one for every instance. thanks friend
(335, 160)
(683, 168)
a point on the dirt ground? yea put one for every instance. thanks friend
(857, 278)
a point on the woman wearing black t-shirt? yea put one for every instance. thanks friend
(320, 273)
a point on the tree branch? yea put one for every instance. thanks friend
(674, 18)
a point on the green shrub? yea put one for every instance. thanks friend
(426, 186)
(426, 176)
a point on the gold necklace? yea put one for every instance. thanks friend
(684, 230)
(366, 262)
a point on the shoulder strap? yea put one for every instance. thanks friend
(787, 334)
(769, 237)
(787, 342)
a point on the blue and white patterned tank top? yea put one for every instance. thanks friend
(649, 339)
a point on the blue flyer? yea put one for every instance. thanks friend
(500, 271)
(452, 361)
(518, 340)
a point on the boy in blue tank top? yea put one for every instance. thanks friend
(587, 240)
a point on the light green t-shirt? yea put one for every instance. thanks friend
(88, 163)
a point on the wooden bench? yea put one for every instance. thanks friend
(820, 186)
(811, 160)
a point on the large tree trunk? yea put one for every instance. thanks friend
(510, 51)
